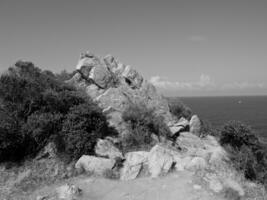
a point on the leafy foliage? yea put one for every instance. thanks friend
(179, 109)
(144, 124)
(83, 125)
(247, 153)
(37, 107)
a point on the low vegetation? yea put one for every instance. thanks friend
(37, 107)
(145, 127)
(247, 152)
(179, 109)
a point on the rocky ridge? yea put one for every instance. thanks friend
(114, 86)
(201, 162)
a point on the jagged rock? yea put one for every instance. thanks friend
(160, 160)
(134, 162)
(111, 63)
(101, 76)
(49, 151)
(112, 84)
(107, 149)
(132, 77)
(181, 125)
(196, 163)
(68, 192)
(94, 164)
(195, 125)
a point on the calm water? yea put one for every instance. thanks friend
(218, 110)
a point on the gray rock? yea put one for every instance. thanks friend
(49, 151)
(94, 164)
(132, 77)
(181, 126)
(101, 76)
(134, 161)
(68, 192)
(160, 161)
(195, 125)
(196, 163)
(115, 86)
(107, 149)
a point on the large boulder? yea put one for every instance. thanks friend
(94, 164)
(195, 125)
(132, 77)
(160, 160)
(101, 76)
(115, 86)
(181, 126)
(134, 161)
(106, 148)
(196, 163)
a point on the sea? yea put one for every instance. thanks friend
(251, 110)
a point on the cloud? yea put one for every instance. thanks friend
(197, 38)
(242, 86)
(204, 83)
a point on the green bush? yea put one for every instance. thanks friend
(179, 109)
(83, 125)
(144, 124)
(237, 134)
(37, 107)
(247, 153)
(39, 130)
(207, 129)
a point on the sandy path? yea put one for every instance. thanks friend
(176, 186)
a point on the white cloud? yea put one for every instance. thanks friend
(205, 83)
(242, 86)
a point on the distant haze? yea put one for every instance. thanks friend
(184, 47)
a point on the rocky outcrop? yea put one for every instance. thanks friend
(106, 148)
(195, 125)
(134, 161)
(94, 164)
(160, 160)
(181, 126)
(115, 86)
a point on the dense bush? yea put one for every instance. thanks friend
(37, 107)
(179, 109)
(83, 125)
(145, 125)
(247, 152)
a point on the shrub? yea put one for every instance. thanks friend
(83, 125)
(237, 134)
(247, 153)
(39, 129)
(37, 107)
(179, 109)
(207, 129)
(143, 124)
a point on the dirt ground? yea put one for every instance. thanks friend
(175, 186)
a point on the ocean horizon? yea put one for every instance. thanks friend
(251, 110)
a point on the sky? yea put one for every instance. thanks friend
(183, 47)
